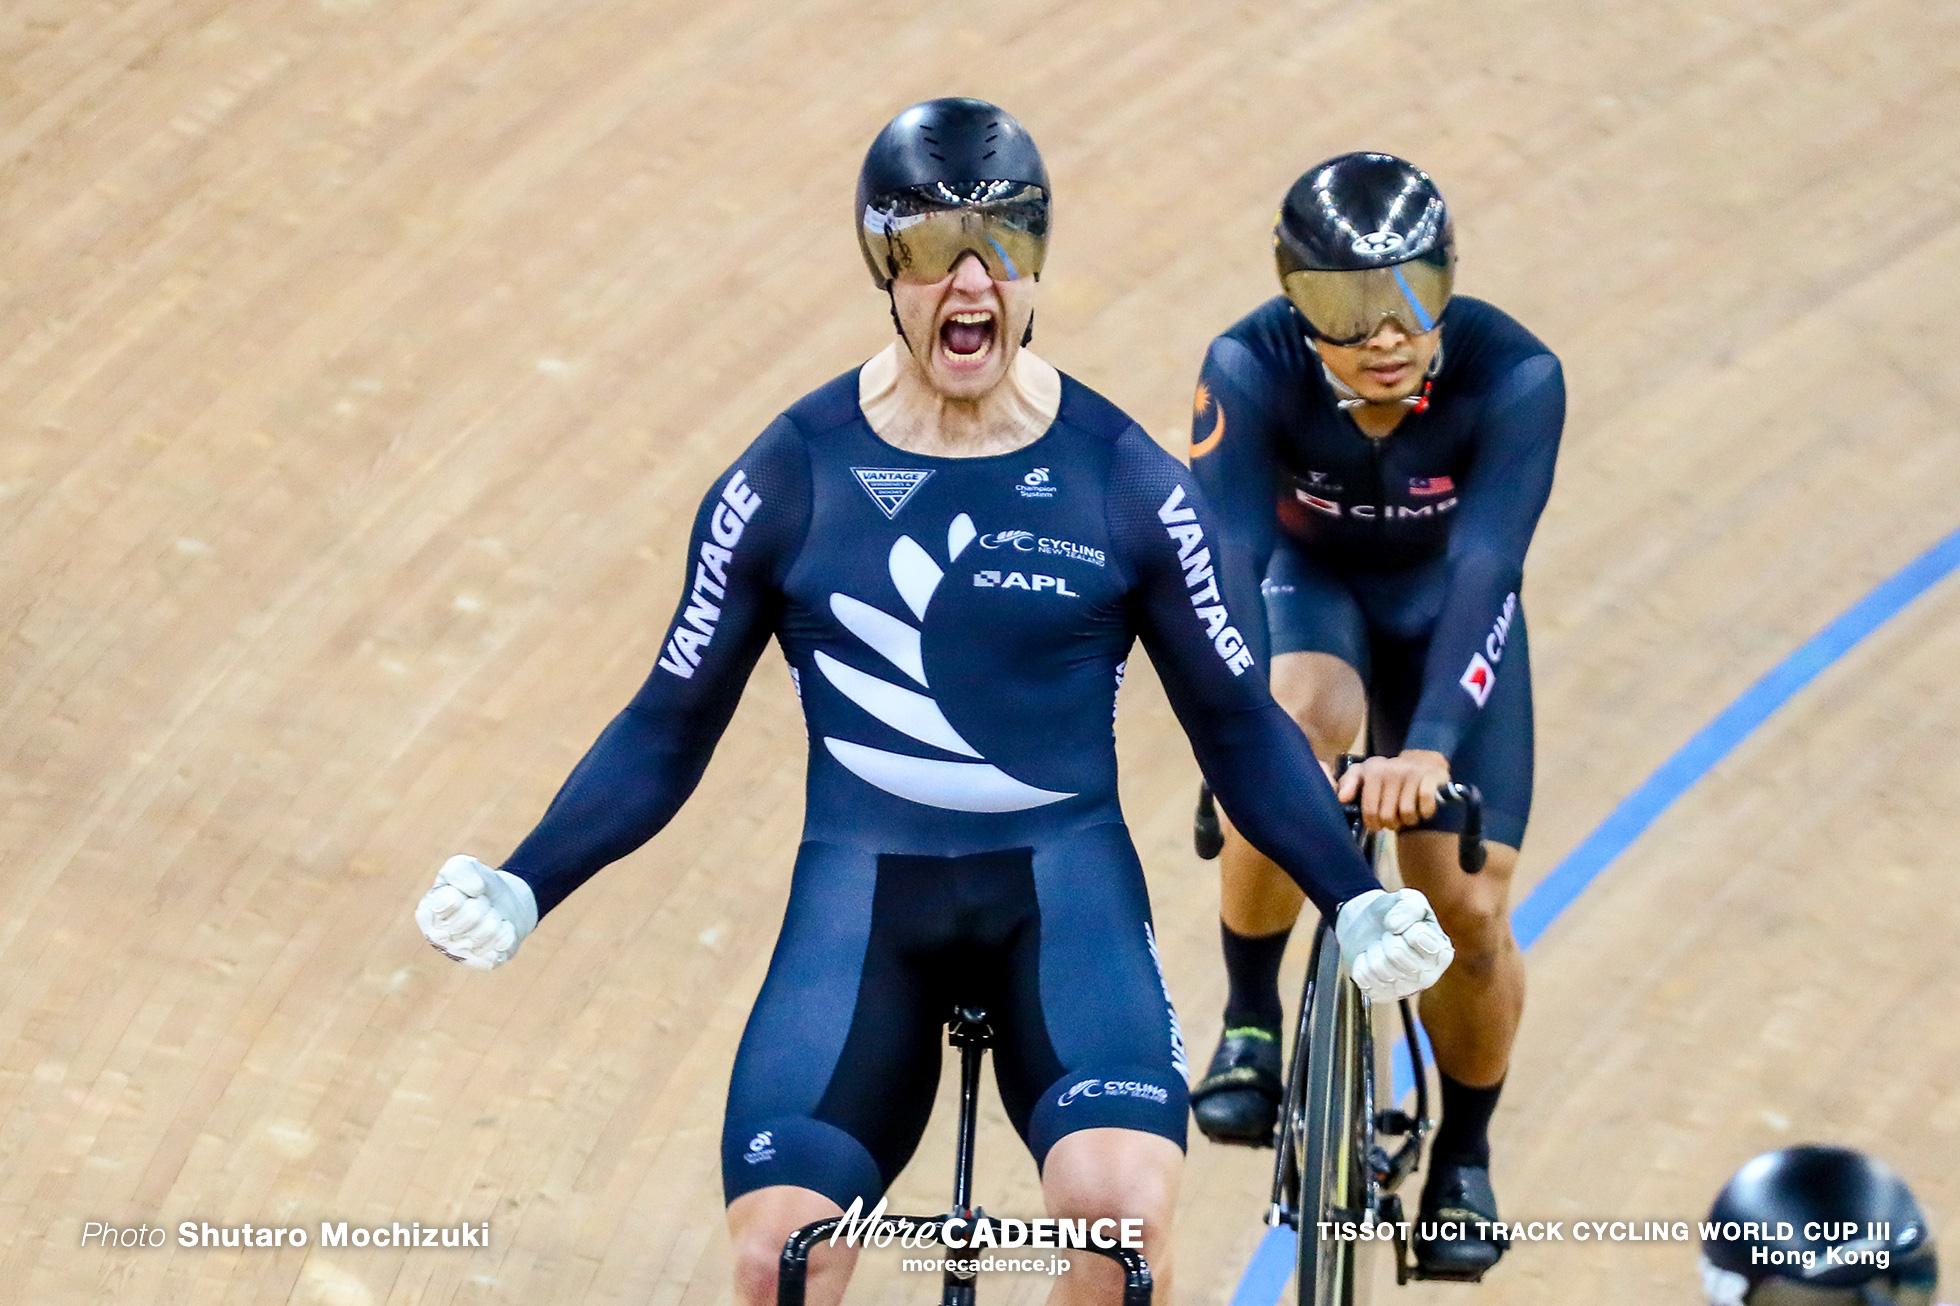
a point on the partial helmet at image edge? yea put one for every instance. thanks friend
(1817, 1225)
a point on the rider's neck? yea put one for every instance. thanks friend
(1377, 421)
(905, 411)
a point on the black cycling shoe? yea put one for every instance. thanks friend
(1238, 1099)
(1455, 1200)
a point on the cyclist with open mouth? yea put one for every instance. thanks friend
(955, 547)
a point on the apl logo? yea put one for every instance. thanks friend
(1377, 243)
(959, 786)
(1034, 582)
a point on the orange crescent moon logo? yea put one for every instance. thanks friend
(1202, 447)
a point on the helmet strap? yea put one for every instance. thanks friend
(1029, 333)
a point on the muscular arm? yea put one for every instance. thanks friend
(1503, 494)
(1185, 610)
(1231, 460)
(648, 760)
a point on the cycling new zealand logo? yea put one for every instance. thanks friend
(890, 487)
(1137, 1088)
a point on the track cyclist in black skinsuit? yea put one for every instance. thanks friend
(1380, 452)
(956, 547)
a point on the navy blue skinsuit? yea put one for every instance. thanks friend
(957, 629)
(1402, 556)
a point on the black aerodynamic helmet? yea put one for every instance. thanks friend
(946, 178)
(1361, 238)
(1817, 1226)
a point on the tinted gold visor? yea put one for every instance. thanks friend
(913, 237)
(1345, 308)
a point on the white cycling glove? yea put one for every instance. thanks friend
(475, 914)
(1393, 944)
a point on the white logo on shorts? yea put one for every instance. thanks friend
(1087, 1088)
(761, 1148)
(1136, 1088)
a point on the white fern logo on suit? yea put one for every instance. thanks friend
(975, 786)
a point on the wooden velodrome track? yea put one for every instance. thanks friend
(361, 364)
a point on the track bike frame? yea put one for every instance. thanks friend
(967, 1030)
(1334, 1181)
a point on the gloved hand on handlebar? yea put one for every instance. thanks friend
(1394, 946)
(475, 914)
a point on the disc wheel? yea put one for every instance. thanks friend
(1333, 1066)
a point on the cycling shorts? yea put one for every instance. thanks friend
(837, 1069)
(1379, 623)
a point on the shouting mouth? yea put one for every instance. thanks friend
(967, 338)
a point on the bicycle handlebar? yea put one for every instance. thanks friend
(1470, 850)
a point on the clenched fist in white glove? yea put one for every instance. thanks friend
(475, 914)
(1393, 944)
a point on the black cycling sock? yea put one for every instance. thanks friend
(1252, 971)
(1463, 1135)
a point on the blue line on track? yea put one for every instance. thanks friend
(1266, 1274)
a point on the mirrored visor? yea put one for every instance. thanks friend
(918, 236)
(1345, 308)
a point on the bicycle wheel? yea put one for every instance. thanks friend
(1334, 1133)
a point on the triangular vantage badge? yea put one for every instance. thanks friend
(890, 487)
